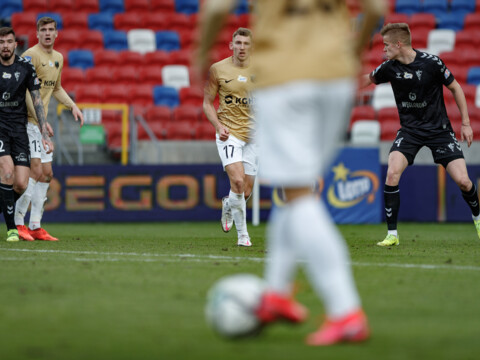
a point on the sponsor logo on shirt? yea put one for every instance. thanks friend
(242, 78)
(447, 73)
(7, 75)
(407, 75)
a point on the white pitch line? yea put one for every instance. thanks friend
(152, 257)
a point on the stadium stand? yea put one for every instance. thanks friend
(57, 17)
(75, 21)
(141, 40)
(436, 7)
(365, 132)
(115, 40)
(62, 7)
(165, 95)
(80, 58)
(100, 21)
(111, 6)
(408, 6)
(167, 40)
(36, 6)
(86, 6)
(176, 76)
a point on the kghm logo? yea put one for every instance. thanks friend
(350, 188)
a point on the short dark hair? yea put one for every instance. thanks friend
(242, 32)
(44, 21)
(4, 31)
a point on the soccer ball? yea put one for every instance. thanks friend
(231, 304)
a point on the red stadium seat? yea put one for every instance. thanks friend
(158, 114)
(139, 7)
(106, 58)
(421, 21)
(373, 58)
(388, 130)
(450, 58)
(24, 23)
(114, 94)
(61, 6)
(98, 76)
(179, 131)
(460, 73)
(150, 75)
(396, 18)
(35, 6)
(91, 40)
(420, 38)
(112, 117)
(125, 75)
(141, 95)
(68, 39)
(71, 78)
(133, 58)
(365, 112)
(191, 96)
(179, 21)
(163, 6)
(204, 131)
(126, 21)
(158, 58)
(187, 39)
(87, 93)
(377, 43)
(472, 22)
(75, 21)
(388, 114)
(187, 113)
(86, 6)
(156, 21)
(466, 40)
(180, 57)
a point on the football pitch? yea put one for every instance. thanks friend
(137, 291)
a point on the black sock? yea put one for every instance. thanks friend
(391, 196)
(16, 196)
(8, 205)
(471, 197)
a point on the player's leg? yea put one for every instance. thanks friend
(236, 201)
(22, 204)
(397, 163)
(457, 169)
(6, 196)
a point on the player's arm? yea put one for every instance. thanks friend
(210, 93)
(213, 16)
(459, 96)
(365, 80)
(61, 95)
(42, 122)
(31, 112)
(373, 10)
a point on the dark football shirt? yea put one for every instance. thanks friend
(15, 79)
(418, 90)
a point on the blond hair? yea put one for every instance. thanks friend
(398, 32)
(242, 32)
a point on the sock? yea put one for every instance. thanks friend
(324, 250)
(471, 197)
(281, 263)
(22, 204)
(38, 199)
(239, 212)
(391, 195)
(8, 205)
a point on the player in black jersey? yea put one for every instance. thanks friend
(417, 79)
(17, 75)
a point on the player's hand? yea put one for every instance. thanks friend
(49, 129)
(467, 134)
(223, 133)
(47, 144)
(77, 114)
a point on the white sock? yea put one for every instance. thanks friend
(318, 242)
(476, 217)
(281, 262)
(38, 199)
(23, 202)
(392, 232)
(239, 212)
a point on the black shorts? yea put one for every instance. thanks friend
(15, 144)
(443, 145)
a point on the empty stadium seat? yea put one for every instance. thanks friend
(156, 21)
(141, 40)
(131, 58)
(158, 58)
(68, 39)
(422, 21)
(383, 97)
(36, 6)
(158, 114)
(440, 40)
(106, 58)
(242, 7)
(204, 131)
(388, 114)
(86, 93)
(80, 58)
(114, 94)
(420, 38)
(141, 95)
(460, 73)
(98, 76)
(71, 78)
(436, 7)
(9, 7)
(466, 40)
(408, 6)
(365, 112)
(454, 21)
(91, 39)
(396, 18)
(472, 22)
(388, 130)
(473, 76)
(115, 40)
(126, 21)
(60, 6)
(163, 6)
(75, 21)
(86, 6)
(125, 75)
(462, 6)
(187, 113)
(179, 131)
(180, 57)
(24, 22)
(100, 21)
(179, 21)
(111, 6)
(191, 96)
(165, 95)
(139, 7)
(450, 58)
(167, 40)
(176, 76)
(186, 6)
(365, 132)
(150, 75)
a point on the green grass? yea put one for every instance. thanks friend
(137, 291)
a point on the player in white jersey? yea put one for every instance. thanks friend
(232, 80)
(306, 60)
(48, 64)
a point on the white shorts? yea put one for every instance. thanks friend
(36, 147)
(299, 127)
(235, 150)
